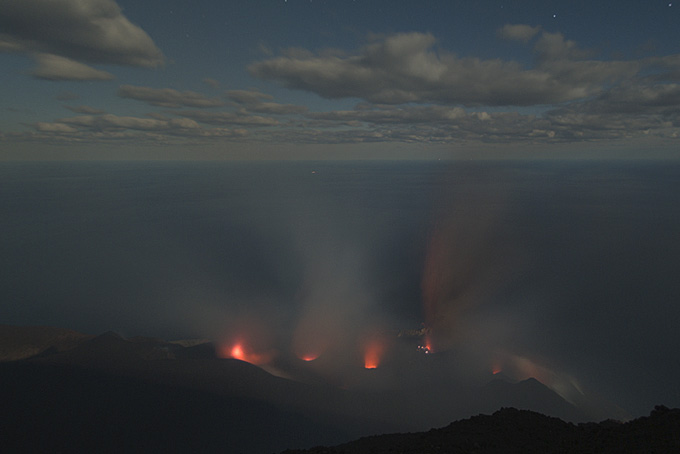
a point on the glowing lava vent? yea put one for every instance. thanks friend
(309, 357)
(240, 351)
(373, 353)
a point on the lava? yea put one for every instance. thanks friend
(309, 357)
(308, 353)
(373, 353)
(424, 349)
(239, 351)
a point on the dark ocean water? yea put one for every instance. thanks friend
(575, 263)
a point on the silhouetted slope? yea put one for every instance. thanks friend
(63, 408)
(510, 431)
(528, 394)
(107, 391)
(141, 390)
(19, 342)
(174, 365)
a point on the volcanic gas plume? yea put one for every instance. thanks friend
(334, 329)
(374, 349)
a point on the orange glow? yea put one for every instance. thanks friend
(242, 353)
(496, 371)
(309, 352)
(373, 354)
(237, 352)
(428, 343)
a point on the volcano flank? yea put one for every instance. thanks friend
(66, 391)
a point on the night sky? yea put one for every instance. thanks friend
(101, 79)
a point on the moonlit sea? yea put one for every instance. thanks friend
(574, 262)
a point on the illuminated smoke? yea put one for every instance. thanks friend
(467, 262)
(374, 350)
(313, 335)
(237, 352)
(247, 338)
(334, 306)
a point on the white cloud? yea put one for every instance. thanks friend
(228, 118)
(642, 98)
(92, 31)
(247, 96)
(274, 108)
(553, 47)
(53, 67)
(393, 115)
(518, 32)
(252, 101)
(405, 68)
(55, 127)
(110, 122)
(167, 97)
(124, 128)
(85, 110)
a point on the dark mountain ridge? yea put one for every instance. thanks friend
(509, 431)
(65, 408)
(20, 342)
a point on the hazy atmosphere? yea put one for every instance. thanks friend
(375, 195)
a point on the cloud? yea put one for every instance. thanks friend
(247, 96)
(393, 115)
(85, 110)
(415, 92)
(443, 124)
(553, 46)
(274, 108)
(92, 31)
(114, 127)
(642, 98)
(167, 97)
(252, 102)
(108, 121)
(228, 118)
(212, 83)
(53, 67)
(55, 127)
(518, 32)
(405, 68)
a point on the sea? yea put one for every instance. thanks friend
(575, 264)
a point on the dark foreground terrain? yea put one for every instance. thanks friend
(522, 431)
(62, 391)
